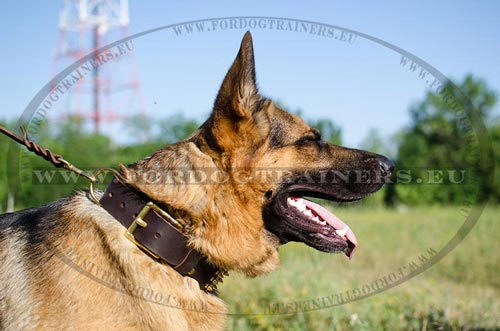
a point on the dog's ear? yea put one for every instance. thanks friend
(238, 94)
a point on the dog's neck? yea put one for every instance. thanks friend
(158, 234)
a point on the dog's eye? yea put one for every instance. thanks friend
(317, 134)
(308, 139)
(314, 136)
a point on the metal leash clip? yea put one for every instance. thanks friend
(95, 180)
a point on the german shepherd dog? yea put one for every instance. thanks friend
(68, 265)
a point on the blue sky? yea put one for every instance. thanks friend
(359, 86)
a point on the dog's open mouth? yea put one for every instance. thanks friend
(292, 216)
(326, 230)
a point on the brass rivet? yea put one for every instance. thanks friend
(110, 194)
(157, 235)
(122, 204)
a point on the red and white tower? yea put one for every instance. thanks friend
(112, 94)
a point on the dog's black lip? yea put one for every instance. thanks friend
(320, 195)
(305, 191)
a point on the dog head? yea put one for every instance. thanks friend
(241, 178)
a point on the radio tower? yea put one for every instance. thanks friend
(84, 27)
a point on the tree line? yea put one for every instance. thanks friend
(440, 157)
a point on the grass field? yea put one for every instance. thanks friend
(460, 292)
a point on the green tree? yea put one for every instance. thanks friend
(4, 143)
(139, 128)
(175, 128)
(494, 186)
(438, 139)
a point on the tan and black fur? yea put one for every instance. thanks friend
(68, 266)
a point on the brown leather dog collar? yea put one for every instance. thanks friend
(158, 234)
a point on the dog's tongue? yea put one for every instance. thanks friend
(336, 223)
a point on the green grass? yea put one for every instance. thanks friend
(461, 292)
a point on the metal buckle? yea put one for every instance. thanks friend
(139, 221)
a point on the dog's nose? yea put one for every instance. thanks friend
(386, 166)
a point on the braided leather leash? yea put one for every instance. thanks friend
(56, 159)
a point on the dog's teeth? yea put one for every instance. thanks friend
(323, 223)
(308, 213)
(343, 231)
(301, 207)
(318, 220)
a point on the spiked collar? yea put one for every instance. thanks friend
(158, 234)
